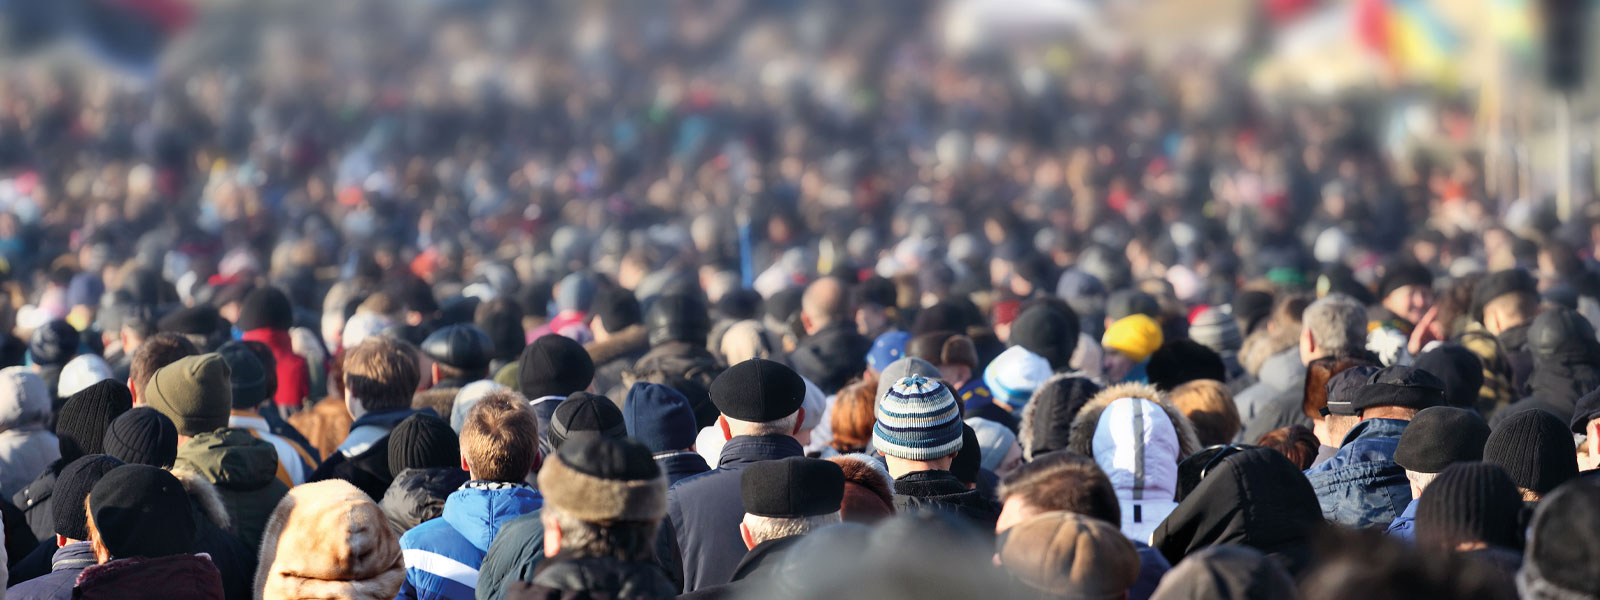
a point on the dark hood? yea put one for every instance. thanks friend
(1238, 572)
(231, 458)
(418, 495)
(1255, 498)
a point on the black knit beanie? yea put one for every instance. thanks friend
(423, 441)
(72, 486)
(554, 366)
(1560, 560)
(83, 420)
(143, 436)
(1535, 448)
(142, 511)
(1181, 361)
(1049, 331)
(265, 308)
(1469, 502)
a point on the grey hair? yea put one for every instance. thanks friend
(763, 529)
(1419, 479)
(1337, 322)
(622, 540)
(781, 426)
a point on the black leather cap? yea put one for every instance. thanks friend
(1501, 283)
(461, 346)
(1562, 331)
(791, 488)
(678, 318)
(1389, 386)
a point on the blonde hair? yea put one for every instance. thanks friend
(500, 437)
(1209, 405)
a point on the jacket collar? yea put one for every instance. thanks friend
(924, 483)
(770, 551)
(389, 418)
(76, 555)
(1375, 428)
(276, 338)
(746, 449)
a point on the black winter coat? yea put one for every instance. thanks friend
(1254, 498)
(941, 491)
(706, 509)
(832, 356)
(567, 578)
(418, 495)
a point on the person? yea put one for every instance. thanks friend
(1472, 509)
(852, 418)
(1226, 573)
(1555, 563)
(1405, 293)
(886, 348)
(1535, 448)
(328, 539)
(1437, 437)
(1048, 329)
(143, 436)
(604, 499)
(266, 316)
(1068, 555)
(1215, 327)
(1129, 342)
(247, 376)
(196, 394)
(1138, 438)
(573, 296)
(1319, 380)
(1281, 517)
(678, 327)
(620, 339)
(550, 369)
(380, 375)
(160, 350)
(998, 451)
(1367, 565)
(27, 447)
(660, 418)
(460, 354)
(499, 449)
(1047, 419)
(1504, 304)
(1180, 361)
(1361, 486)
(80, 430)
(141, 530)
(1064, 480)
(868, 489)
(1209, 406)
(82, 371)
(957, 359)
(50, 348)
(1459, 368)
(1566, 364)
(832, 352)
(761, 404)
(919, 433)
(1332, 326)
(784, 500)
(1294, 442)
(1012, 378)
(1272, 355)
(70, 547)
(425, 459)
(502, 318)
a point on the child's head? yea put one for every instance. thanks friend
(500, 438)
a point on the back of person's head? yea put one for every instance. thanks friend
(73, 484)
(1535, 448)
(605, 497)
(1067, 555)
(763, 396)
(423, 441)
(82, 422)
(500, 438)
(501, 318)
(381, 372)
(1182, 361)
(852, 419)
(554, 366)
(328, 539)
(1505, 299)
(1469, 503)
(158, 351)
(825, 301)
(266, 308)
(678, 317)
(917, 420)
(143, 436)
(788, 497)
(1047, 420)
(1319, 371)
(1368, 565)
(659, 417)
(1559, 562)
(140, 511)
(1295, 442)
(194, 391)
(248, 375)
(585, 415)
(1059, 480)
(1459, 368)
(1209, 405)
(1336, 324)
(1226, 573)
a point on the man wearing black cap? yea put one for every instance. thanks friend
(249, 383)
(783, 500)
(761, 409)
(461, 354)
(1436, 438)
(1361, 486)
(71, 551)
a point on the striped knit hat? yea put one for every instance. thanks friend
(917, 420)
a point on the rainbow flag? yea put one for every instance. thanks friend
(1408, 34)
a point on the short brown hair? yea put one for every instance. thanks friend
(1295, 442)
(1209, 405)
(382, 372)
(500, 437)
(1064, 480)
(160, 350)
(853, 416)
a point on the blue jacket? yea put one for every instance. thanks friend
(681, 465)
(443, 555)
(65, 565)
(706, 509)
(1152, 567)
(1404, 526)
(1361, 486)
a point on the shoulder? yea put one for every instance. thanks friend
(429, 534)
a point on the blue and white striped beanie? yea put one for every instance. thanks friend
(917, 420)
(1015, 374)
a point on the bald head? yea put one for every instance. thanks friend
(822, 304)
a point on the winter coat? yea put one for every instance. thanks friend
(593, 578)
(706, 509)
(832, 356)
(1404, 527)
(681, 465)
(363, 458)
(1138, 438)
(297, 463)
(294, 378)
(443, 555)
(187, 576)
(941, 491)
(213, 536)
(245, 471)
(1518, 357)
(1254, 498)
(1281, 373)
(1361, 486)
(616, 355)
(26, 445)
(1566, 363)
(325, 425)
(1497, 391)
(764, 554)
(35, 502)
(1152, 567)
(329, 540)
(65, 565)
(518, 553)
(418, 496)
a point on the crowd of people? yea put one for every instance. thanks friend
(771, 300)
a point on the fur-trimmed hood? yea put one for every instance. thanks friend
(633, 339)
(1163, 447)
(205, 496)
(868, 491)
(329, 540)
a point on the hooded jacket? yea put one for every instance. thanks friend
(565, 577)
(328, 540)
(1361, 486)
(1282, 372)
(1497, 391)
(1138, 438)
(616, 355)
(418, 496)
(1566, 362)
(942, 491)
(442, 556)
(188, 576)
(213, 537)
(35, 501)
(1254, 498)
(26, 445)
(294, 378)
(244, 470)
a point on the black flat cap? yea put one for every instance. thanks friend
(791, 488)
(1401, 275)
(462, 346)
(1343, 385)
(757, 391)
(1501, 283)
(1389, 386)
(1439, 437)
